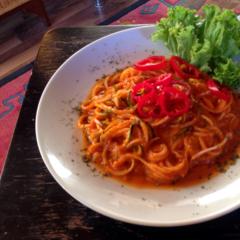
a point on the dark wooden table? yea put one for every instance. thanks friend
(34, 206)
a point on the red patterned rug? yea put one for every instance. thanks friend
(11, 98)
(12, 93)
(153, 10)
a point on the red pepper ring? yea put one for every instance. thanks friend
(158, 110)
(215, 89)
(182, 86)
(149, 85)
(161, 96)
(175, 102)
(141, 89)
(146, 105)
(149, 106)
(183, 69)
(151, 63)
(161, 81)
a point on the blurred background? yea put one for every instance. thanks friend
(23, 23)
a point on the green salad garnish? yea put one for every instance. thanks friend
(210, 42)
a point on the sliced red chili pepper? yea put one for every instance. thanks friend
(182, 86)
(158, 110)
(146, 105)
(214, 87)
(183, 69)
(149, 85)
(161, 96)
(141, 89)
(152, 63)
(175, 102)
(149, 106)
(161, 81)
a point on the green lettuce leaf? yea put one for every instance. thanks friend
(228, 73)
(209, 42)
(200, 55)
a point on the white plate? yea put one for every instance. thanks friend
(55, 124)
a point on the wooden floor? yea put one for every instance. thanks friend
(21, 32)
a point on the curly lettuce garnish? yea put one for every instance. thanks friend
(210, 42)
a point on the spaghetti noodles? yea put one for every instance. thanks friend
(162, 147)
